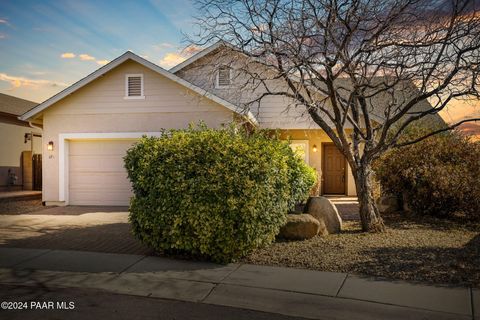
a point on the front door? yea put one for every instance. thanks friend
(333, 170)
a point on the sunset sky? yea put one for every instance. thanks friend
(48, 45)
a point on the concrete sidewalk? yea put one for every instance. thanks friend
(287, 291)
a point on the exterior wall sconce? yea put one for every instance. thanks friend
(27, 137)
(50, 146)
(314, 148)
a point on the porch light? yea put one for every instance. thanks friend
(50, 146)
(314, 148)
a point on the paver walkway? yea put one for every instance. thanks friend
(287, 291)
(347, 207)
(101, 229)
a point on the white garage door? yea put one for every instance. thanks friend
(96, 173)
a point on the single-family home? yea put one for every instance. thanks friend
(89, 126)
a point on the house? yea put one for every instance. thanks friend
(89, 126)
(20, 143)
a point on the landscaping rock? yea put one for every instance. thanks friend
(323, 209)
(323, 227)
(300, 227)
(388, 204)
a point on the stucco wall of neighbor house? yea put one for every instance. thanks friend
(317, 137)
(11, 147)
(100, 107)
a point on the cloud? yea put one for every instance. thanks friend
(102, 62)
(86, 57)
(18, 82)
(3, 36)
(68, 55)
(191, 50)
(171, 59)
(5, 21)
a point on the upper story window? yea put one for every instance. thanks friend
(134, 86)
(224, 77)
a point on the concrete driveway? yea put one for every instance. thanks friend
(99, 229)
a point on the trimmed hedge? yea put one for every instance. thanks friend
(438, 176)
(214, 193)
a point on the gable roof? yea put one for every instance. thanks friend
(118, 61)
(13, 105)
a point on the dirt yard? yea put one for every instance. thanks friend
(426, 250)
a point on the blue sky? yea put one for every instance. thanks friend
(47, 45)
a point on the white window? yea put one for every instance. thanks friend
(224, 77)
(300, 147)
(134, 86)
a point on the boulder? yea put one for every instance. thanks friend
(323, 209)
(388, 204)
(300, 227)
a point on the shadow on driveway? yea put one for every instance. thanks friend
(86, 228)
(110, 238)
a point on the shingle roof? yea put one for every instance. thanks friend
(14, 105)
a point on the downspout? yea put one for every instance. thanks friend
(33, 126)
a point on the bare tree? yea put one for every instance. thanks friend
(339, 59)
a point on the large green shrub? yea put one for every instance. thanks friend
(215, 193)
(438, 176)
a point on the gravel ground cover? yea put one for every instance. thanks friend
(424, 250)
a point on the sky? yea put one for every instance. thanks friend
(47, 45)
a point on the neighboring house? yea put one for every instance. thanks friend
(89, 126)
(471, 130)
(20, 142)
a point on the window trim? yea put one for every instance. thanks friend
(217, 75)
(307, 148)
(127, 97)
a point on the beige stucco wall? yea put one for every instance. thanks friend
(317, 137)
(12, 143)
(100, 107)
(11, 146)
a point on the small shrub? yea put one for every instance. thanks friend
(438, 176)
(215, 193)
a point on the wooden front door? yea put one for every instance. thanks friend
(333, 170)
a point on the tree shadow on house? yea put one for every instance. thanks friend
(435, 265)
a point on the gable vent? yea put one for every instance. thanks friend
(223, 77)
(134, 86)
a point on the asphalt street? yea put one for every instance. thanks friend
(46, 303)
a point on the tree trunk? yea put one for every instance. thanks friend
(369, 214)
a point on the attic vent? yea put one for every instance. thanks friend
(223, 77)
(134, 86)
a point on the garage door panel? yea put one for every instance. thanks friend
(96, 163)
(109, 199)
(97, 147)
(112, 180)
(96, 173)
